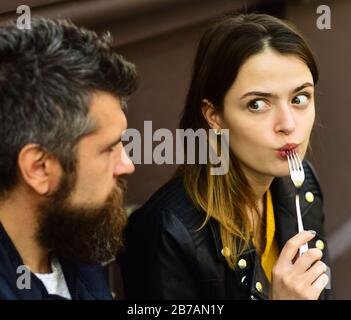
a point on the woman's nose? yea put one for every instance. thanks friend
(124, 165)
(285, 121)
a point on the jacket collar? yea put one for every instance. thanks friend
(84, 281)
(10, 263)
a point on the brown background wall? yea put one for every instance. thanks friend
(331, 142)
(160, 37)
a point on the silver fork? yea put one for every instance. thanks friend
(297, 176)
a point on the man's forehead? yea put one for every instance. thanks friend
(104, 100)
(104, 105)
(107, 115)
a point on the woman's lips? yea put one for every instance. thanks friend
(283, 151)
(284, 154)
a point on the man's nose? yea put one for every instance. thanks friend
(285, 120)
(124, 165)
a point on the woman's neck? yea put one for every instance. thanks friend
(258, 182)
(260, 185)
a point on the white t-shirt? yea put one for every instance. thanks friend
(55, 282)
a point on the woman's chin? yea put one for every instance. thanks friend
(281, 172)
(281, 169)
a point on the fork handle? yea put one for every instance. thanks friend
(304, 247)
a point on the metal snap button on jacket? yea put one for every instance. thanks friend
(242, 264)
(320, 244)
(259, 286)
(225, 252)
(309, 197)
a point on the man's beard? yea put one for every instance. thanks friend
(82, 233)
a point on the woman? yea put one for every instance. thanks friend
(234, 236)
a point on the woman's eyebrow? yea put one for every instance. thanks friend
(303, 86)
(271, 95)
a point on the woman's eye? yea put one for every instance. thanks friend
(257, 105)
(301, 99)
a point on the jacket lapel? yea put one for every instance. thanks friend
(283, 195)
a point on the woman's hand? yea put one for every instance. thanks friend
(302, 279)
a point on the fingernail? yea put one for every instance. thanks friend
(313, 232)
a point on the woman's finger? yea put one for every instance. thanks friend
(292, 246)
(304, 262)
(314, 272)
(318, 286)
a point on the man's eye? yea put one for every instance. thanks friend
(112, 149)
(257, 105)
(301, 99)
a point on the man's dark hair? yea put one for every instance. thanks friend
(47, 75)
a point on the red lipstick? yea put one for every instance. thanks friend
(286, 148)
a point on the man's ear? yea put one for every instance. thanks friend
(40, 170)
(211, 115)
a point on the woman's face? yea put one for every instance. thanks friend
(270, 104)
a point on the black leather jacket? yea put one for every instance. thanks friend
(166, 259)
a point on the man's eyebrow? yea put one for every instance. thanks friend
(112, 144)
(271, 95)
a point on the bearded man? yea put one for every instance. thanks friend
(63, 92)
